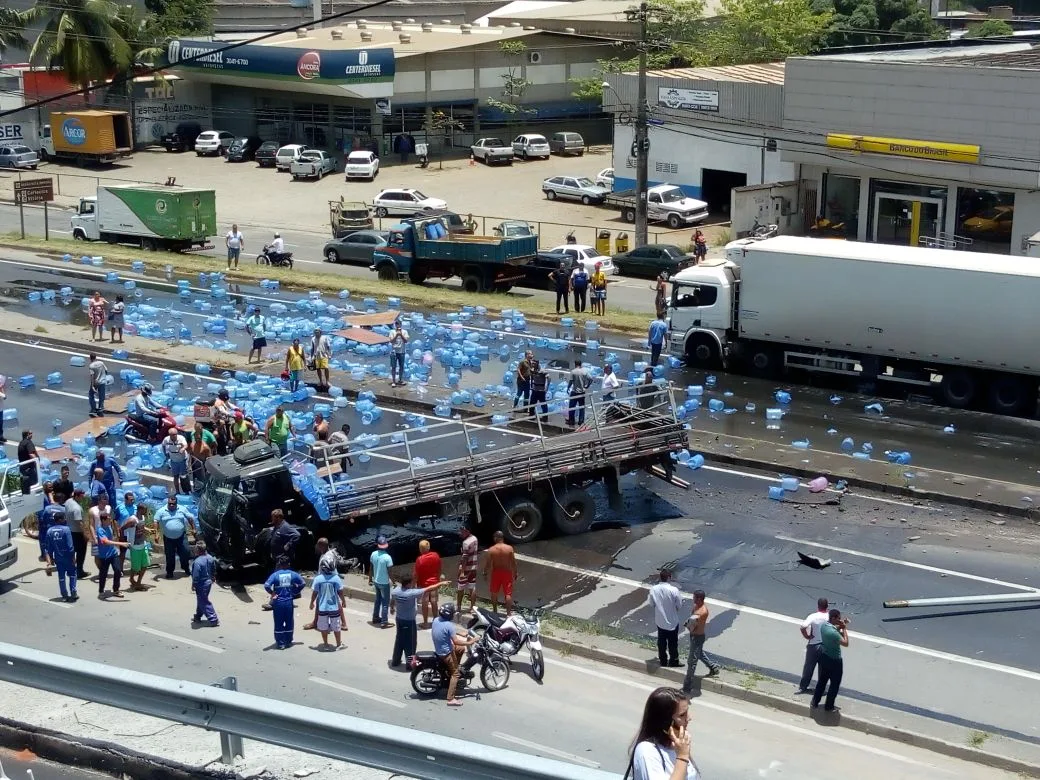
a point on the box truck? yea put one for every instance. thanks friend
(150, 216)
(91, 137)
(962, 324)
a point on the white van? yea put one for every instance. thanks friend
(287, 155)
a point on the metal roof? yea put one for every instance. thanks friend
(764, 73)
(1028, 59)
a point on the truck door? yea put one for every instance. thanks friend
(653, 206)
(85, 219)
(695, 306)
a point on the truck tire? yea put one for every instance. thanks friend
(1011, 395)
(520, 520)
(629, 215)
(472, 283)
(573, 511)
(79, 235)
(148, 244)
(387, 272)
(674, 221)
(958, 388)
(763, 361)
(702, 352)
(44, 155)
(416, 275)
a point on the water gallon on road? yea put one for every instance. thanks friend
(120, 354)
(902, 458)
(716, 405)
(27, 382)
(137, 266)
(774, 414)
(790, 484)
(818, 485)
(695, 462)
(776, 492)
(749, 407)
(694, 391)
(35, 296)
(54, 379)
(861, 455)
(801, 444)
(65, 292)
(10, 414)
(49, 295)
(77, 360)
(848, 444)
(783, 397)
(111, 277)
(130, 284)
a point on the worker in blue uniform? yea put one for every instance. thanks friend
(284, 585)
(61, 554)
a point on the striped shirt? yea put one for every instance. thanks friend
(469, 560)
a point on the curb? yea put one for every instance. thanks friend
(1030, 512)
(99, 756)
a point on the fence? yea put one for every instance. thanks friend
(383, 746)
(69, 185)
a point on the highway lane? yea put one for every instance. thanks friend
(18, 764)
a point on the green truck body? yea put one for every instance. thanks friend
(152, 216)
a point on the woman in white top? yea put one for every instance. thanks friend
(610, 382)
(662, 746)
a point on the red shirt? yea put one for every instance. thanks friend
(427, 569)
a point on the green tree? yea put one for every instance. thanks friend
(515, 84)
(589, 89)
(764, 31)
(867, 22)
(991, 28)
(437, 126)
(145, 46)
(79, 36)
(11, 26)
(181, 18)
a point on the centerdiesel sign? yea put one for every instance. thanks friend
(903, 147)
(358, 66)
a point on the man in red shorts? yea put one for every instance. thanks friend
(500, 563)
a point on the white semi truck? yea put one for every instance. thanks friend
(963, 324)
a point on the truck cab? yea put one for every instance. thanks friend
(701, 311)
(85, 220)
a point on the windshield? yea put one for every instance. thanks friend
(419, 195)
(674, 195)
(673, 251)
(992, 213)
(587, 183)
(590, 252)
(536, 139)
(356, 157)
(216, 498)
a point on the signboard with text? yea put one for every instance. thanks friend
(34, 191)
(688, 99)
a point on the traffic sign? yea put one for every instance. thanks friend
(34, 191)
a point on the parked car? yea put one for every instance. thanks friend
(528, 146)
(243, 149)
(605, 178)
(361, 165)
(214, 142)
(651, 259)
(312, 164)
(492, 151)
(574, 188)
(285, 155)
(991, 223)
(536, 273)
(182, 138)
(512, 228)
(18, 156)
(567, 143)
(355, 247)
(265, 154)
(588, 256)
(406, 202)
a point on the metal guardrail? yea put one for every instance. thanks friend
(383, 746)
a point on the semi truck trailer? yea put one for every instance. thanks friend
(959, 324)
(151, 216)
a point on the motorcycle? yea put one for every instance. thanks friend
(276, 259)
(138, 431)
(507, 634)
(429, 673)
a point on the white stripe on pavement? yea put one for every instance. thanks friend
(357, 692)
(180, 639)
(909, 564)
(44, 599)
(534, 747)
(876, 640)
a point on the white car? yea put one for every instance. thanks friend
(312, 163)
(588, 256)
(405, 202)
(605, 178)
(531, 145)
(287, 155)
(213, 142)
(362, 165)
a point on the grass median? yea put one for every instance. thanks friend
(412, 295)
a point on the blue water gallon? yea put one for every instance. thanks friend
(54, 378)
(776, 492)
(790, 484)
(77, 360)
(27, 381)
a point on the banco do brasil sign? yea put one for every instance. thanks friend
(359, 66)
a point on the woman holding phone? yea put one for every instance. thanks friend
(662, 746)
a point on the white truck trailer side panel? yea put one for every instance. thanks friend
(941, 307)
(114, 216)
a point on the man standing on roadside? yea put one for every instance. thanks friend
(427, 572)
(469, 560)
(500, 566)
(810, 629)
(834, 635)
(98, 386)
(329, 603)
(284, 537)
(203, 575)
(235, 245)
(28, 462)
(523, 379)
(256, 326)
(61, 554)
(403, 605)
(175, 447)
(561, 279)
(173, 521)
(580, 286)
(398, 346)
(666, 600)
(284, 585)
(321, 354)
(328, 556)
(539, 389)
(577, 386)
(697, 623)
(655, 337)
(74, 519)
(379, 576)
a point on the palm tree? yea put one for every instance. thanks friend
(81, 37)
(11, 26)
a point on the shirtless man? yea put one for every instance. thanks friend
(697, 623)
(500, 564)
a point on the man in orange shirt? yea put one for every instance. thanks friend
(427, 572)
(500, 563)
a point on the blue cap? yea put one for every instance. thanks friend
(381, 542)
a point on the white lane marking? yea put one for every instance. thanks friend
(357, 692)
(44, 599)
(876, 640)
(534, 747)
(700, 703)
(181, 640)
(65, 393)
(910, 564)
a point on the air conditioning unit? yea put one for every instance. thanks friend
(534, 57)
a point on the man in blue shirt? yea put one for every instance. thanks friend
(379, 576)
(284, 585)
(110, 470)
(655, 338)
(327, 594)
(61, 554)
(449, 647)
(173, 521)
(203, 573)
(47, 517)
(404, 600)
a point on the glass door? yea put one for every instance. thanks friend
(904, 219)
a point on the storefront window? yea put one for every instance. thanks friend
(907, 214)
(841, 205)
(985, 217)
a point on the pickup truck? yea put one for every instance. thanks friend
(492, 151)
(312, 164)
(183, 138)
(664, 203)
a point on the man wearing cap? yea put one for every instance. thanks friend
(175, 448)
(112, 474)
(61, 554)
(242, 430)
(379, 576)
(321, 354)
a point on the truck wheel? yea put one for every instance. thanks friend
(520, 520)
(763, 361)
(472, 283)
(629, 215)
(79, 235)
(416, 275)
(702, 352)
(44, 155)
(148, 244)
(550, 195)
(573, 511)
(1011, 395)
(958, 388)
(674, 222)
(387, 272)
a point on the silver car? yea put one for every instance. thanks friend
(574, 188)
(18, 156)
(312, 163)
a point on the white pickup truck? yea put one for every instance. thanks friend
(492, 151)
(664, 203)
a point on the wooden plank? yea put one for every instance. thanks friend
(363, 336)
(371, 320)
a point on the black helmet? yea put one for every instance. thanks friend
(447, 611)
(223, 395)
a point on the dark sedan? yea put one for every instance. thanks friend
(264, 155)
(355, 247)
(536, 273)
(648, 261)
(243, 149)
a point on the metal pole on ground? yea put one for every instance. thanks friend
(965, 601)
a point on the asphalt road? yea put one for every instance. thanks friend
(18, 765)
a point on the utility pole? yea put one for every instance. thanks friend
(641, 145)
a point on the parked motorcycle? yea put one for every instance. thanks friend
(138, 431)
(507, 634)
(429, 673)
(277, 259)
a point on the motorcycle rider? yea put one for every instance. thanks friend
(449, 647)
(146, 410)
(277, 248)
